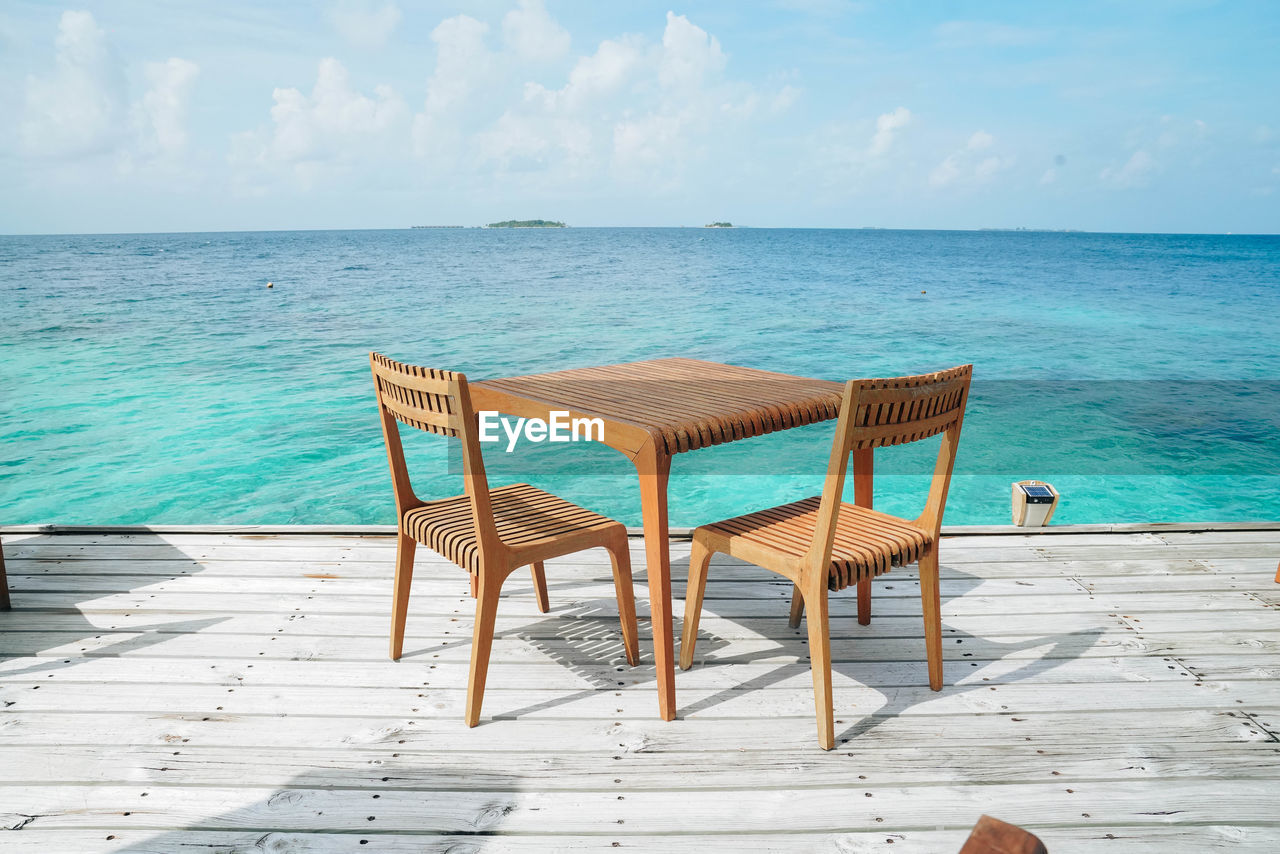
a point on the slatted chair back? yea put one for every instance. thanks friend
(439, 402)
(877, 413)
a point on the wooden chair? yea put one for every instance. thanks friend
(490, 533)
(993, 836)
(823, 544)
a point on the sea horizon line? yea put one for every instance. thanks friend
(972, 230)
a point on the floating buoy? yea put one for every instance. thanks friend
(270, 285)
(922, 292)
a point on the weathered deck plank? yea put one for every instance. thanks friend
(209, 690)
(1202, 839)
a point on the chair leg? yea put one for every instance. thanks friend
(540, 587)
(405, 548)
(820, 664)
(699, 563)
(482, 642)
(620, 555)
(797, 606)
(475, 586)
(864, 600)
(932, 602)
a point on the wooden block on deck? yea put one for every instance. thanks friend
(993, 836)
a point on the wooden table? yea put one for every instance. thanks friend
(651, 412)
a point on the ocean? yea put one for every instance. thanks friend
(155, 379)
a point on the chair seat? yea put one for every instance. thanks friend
(866, 542)
(526, 517)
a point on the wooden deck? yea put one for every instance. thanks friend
(208, 692)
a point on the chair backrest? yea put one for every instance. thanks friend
(877, 413)
(437, 402)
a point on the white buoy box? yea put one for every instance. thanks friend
(1033, 503)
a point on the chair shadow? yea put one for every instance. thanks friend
(45, 584)
(584, 638)
(455, 808)
(913, 649)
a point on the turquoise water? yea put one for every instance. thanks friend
(155, 379)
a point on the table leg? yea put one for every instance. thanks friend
(654, 466)
(862, 491)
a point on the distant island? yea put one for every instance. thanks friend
(526, 223)
(718, 225)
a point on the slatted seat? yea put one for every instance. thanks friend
(823, 544)
(867, 543)
(489, 533)
(523, 516)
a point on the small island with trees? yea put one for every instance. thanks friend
(718, 225)
(526, 223)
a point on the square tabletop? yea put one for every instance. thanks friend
(681, 404)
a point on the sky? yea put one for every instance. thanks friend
(165, 116)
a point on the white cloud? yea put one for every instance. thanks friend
(646, 111)
(334, 123)
(946, 172)
(80, 108)
(646, 141)
(461, 59)
(1173, 144)
(652, 147)
(986, 168)
(631, 105)
(1136, 171)
(528, 143)
(602, 73)
(986, 34)
(980, 141)
(689, 54)
(533, 34)
(848, 154)
(363, 24)
(162, 113)
(887, 127)
(464, 65)
(333, 110)
(83, 108)
(784, 98)
(968, 166)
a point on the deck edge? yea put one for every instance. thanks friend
(676, 533)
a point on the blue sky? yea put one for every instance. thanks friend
(182, 116)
